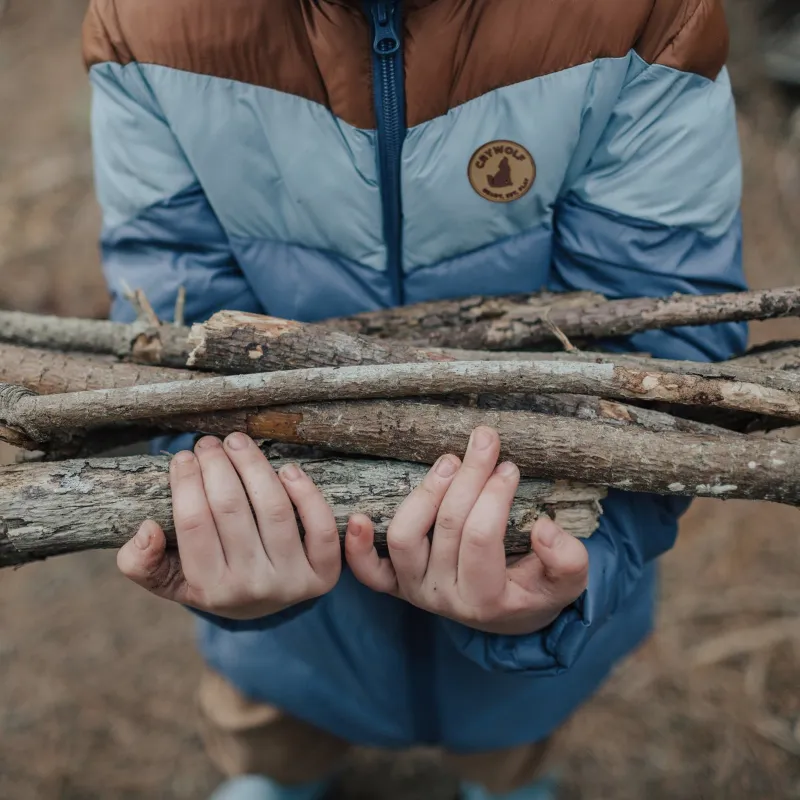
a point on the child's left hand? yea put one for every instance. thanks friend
(462, 573)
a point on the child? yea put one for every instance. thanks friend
(316, 158)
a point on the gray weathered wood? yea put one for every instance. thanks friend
(38, 418)
(50, 509)
(508, 323)
(553, 448)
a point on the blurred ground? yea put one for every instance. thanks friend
(96, 695)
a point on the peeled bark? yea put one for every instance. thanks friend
(508, 323)
(51, 509)
(39, 418)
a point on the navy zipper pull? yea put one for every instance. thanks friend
(390, 114)
(386, 41)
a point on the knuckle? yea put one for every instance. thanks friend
(227, 506)
(449, 522)
(398, 539)
(190, 523)
(280, 514)
(478, 537)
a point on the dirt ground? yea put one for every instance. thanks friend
(97, 679)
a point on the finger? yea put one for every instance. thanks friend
(200, 549)
(229, 506)
(558, 567)
(274, 512)
(322, 546)
(481, 557)
(479, 463)
(359, 545)
(145, 560)
(407, 536)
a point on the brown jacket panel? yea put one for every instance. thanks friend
(455, 50)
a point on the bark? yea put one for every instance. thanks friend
(165, 345)
(39, 417)
(51, 372)
(544, 447)
(526, 320)
(54, 372)
(231, 341)
(775, 355)
(50, 509)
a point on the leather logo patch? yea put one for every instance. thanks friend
(502, 171)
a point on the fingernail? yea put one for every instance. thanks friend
(208, 442)
(237, 441)
(446, 466)
(184, 457)
(547, 531)
(481, 438)
(291, 472)
(142, 538)
(506, 469)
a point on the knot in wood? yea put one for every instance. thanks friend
(13, 427)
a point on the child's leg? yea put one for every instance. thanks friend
(517, 773)
(246, 738)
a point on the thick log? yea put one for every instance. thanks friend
(40, 417)
(50, 509)
(523, 321)
(544, 447)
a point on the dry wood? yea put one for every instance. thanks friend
(50, 509)
(523, 321)
(775, 355)
(51, 372)
(545, 447)
(232, 341)
(38, 418)
(165, 345)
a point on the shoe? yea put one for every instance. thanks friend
(257, 787)
(544, 789)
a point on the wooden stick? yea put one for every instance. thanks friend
(99, 503)
(524, 321)
(139, 341)
(474, 323)
(38, 418)
(542, 446)
(51, 372)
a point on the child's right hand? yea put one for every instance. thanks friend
(230, 562)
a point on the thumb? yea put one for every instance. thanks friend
(564, 558)
(146, 561)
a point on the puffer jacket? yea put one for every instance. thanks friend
(314, 158)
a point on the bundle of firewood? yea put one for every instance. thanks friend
(381, 394)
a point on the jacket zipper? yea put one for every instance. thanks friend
(390, 112)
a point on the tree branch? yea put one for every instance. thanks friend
(99, 503)
(38, 418)
(522, 321)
